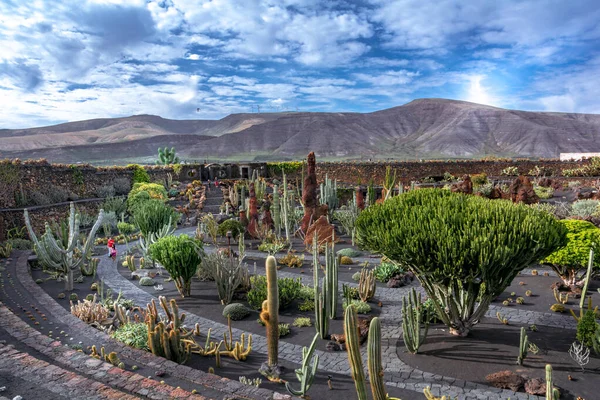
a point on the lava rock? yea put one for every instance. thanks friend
(536, 386)
(506, 380)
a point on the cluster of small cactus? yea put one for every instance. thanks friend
(367, 284)
(502, 318)
(90, 311)
(110, 357)
(166, 337)
(562, 298)
(90, 268)
(167, 156)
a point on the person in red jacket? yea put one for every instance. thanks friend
(112, 248)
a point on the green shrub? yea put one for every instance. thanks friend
(510, 171)
(73, 297)
(349, 252)
(386, 270)
(147, 281)
(122, 186)
(479, 179)
(180, 255)
(543, 192)
(20, 244)
(139, 174)
(232, 225)
(459, 246)
(235, 311)
(152, 216)
(356, 276)
(585, 208)
(134, 335)
(284, 330)
(307, 305)
(567, 261)
(288, 289)
(125, 228)
(360, 306)
(306, 293)
(152, 191)
(302, 322)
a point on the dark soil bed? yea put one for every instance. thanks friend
(542, 294)
(205, 303)
(493, 347)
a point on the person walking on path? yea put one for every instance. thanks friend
(112, 249)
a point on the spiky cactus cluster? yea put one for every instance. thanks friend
(412, 319)
(367, 285)
(167, 156)
(166, 337)
(63, 256)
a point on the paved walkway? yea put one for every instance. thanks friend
(397, 373)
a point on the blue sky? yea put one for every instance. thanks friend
(186, 59)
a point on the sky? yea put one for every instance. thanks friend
(66, 60)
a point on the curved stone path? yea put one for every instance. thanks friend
(397, 373)
(211, 386)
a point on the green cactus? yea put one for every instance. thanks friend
(276, 211)
(366, 285)
(332, 266)
(329, 196)
(167, 156)
(374, 361)
(166, 338)
(270, 317)
(354, 356)
(130, 261)
(90, 268)
(523, 346)
(587, 278)
(306, 374)
(322, 302)
(412, 319)
(63, 256)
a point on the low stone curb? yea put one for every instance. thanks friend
(28, 367)
(211, 381)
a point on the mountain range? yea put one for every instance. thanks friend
(423, 128)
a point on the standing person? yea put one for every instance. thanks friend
(216, 182)
(110, 244)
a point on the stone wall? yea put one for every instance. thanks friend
(363, 172)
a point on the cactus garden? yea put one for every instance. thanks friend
(317, 289)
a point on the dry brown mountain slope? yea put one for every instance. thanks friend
(425, 128)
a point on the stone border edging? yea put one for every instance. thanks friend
(215, 382)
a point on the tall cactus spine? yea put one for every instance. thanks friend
(523, 342)
(270, 317)
(353, 348)
(332, 263)
(551, 392)
(321, 303)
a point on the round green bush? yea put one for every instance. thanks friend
(73, 297)
(89, 297)
(232, 225)
(582, 235)
(356, 276)
(349, 252)
(235, 311)
(345, 260)
(147, 281)
(459, 246)
(61, 296)
(360, 306)
(134, 335)
(386, 271)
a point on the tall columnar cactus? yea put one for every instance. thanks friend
(166, 338)
(324, 300)
(306, 374)
(587, 278)
(354, 356)
(412, 319)
(167, 156)
(551, 392)
(328, 195)
(366, 285)
(270, 317)
(374, 361)
(66, 255)
(523, 343)
(276, 210)
(332, 265)
(389, 182)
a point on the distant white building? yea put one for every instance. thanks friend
(577, 156)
